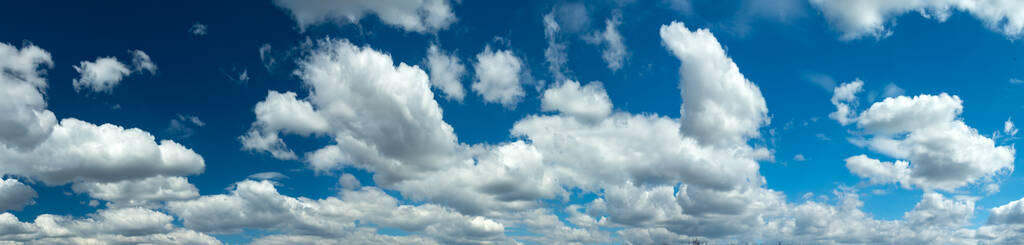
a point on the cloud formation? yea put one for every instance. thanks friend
(410, 15)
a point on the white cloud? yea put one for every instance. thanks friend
(446, 72)
(15, 195)
(281, 112)
(935, 210)
(26, 122)
(844, 97)
(410, 15)
(383, 117)
(721, 106)
(101, 75)
(498, 77)
(267, 176)
(799, 158)
(78, 150)
(146, 192)
(197, 29)
(266, 57)
(142, 62)
(74, 150)
(614, 52)
(1010, 213)
(258, 205)
(348, 181)
(856, 19)
(891, 90)
(589, 103)
(555, 53)
(117, 226)
(1008, 128)
(942, 152)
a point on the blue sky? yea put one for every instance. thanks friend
(272, 108)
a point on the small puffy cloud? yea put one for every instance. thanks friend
(498, 77)
(799, 158)
(446, 72)
(197, 29)
(857, 19)
(410, 15)
(15, 195)
(589, 103)
(891, 90)
(844, 97)
(940, 150)
(281, 112)
(119, 226)
(614, 53)
(721, 106)
(143, 192)
(101, 75)
(142, 62)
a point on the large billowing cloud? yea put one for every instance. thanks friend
(871, 18)
(382, 117)
(410, 15)
(937, 149)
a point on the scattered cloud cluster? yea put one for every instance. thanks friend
(938, 151)
(653, 179)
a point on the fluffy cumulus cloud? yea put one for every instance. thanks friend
(498, 77)
(446, 72)
(108, 226)
(589, 103)
(101, 75)
(14, 195)
(382, 117)
(410, 15)
(255, 204)
(720, 105)
(146, 192)
(654, 179)
(856, 19)
(937, 149)
(105, 73)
